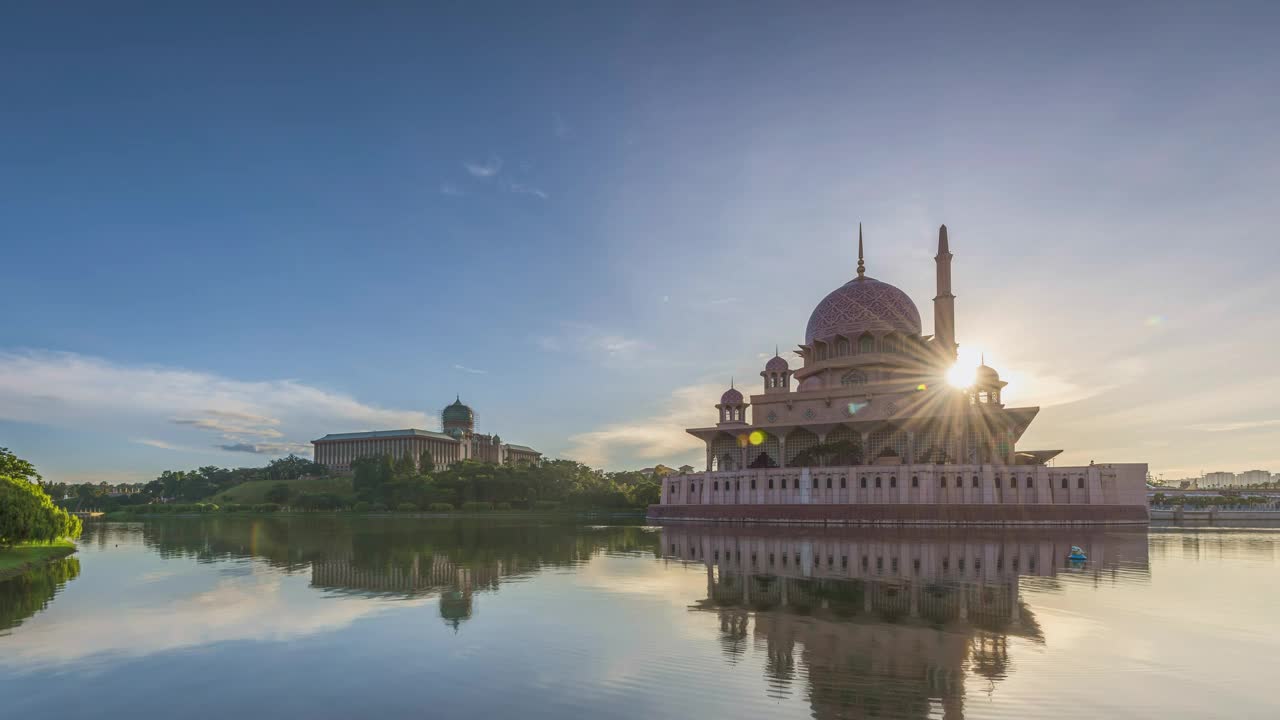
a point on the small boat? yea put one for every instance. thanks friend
(1077, 553)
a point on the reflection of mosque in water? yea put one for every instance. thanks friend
(882, 623)
(422, 576)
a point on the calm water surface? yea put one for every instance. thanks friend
(241, 617)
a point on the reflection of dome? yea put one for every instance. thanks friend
(776, 364)
(731, 397)
(455, 607)
(861, 305)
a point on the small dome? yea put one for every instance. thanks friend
(731, 397)
(985, 375)
(777, 364)
(813, 382)
(863, 305)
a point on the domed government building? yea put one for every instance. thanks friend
(458, 441)
(867, 429)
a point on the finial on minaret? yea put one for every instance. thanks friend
(775, 351)
(943, 247)
(862, 266)
(730, 382)
(983, 355)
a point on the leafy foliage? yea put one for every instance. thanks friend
(27, 513)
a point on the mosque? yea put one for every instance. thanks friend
(868, 429)
(458, 442)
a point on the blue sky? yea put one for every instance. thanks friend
(234, 226)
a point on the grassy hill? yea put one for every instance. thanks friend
(252, 493)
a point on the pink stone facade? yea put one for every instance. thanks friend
(878, 420)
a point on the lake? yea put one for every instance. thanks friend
(329, 617)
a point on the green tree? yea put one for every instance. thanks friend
(15, 467)
(27, 514)
(404, 466)
(278, 494)
(426, 463)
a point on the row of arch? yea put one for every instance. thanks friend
(843, 446)
(842, 345)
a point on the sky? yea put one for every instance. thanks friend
(228, 230)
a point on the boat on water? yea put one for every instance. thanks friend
(1077, 553)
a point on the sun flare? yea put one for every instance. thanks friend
(962, 374)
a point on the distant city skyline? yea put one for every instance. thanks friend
(222, 244)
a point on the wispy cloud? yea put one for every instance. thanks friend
(271, 416)
(268, 448)
(150, 442)
(524, 189)
(658, 437)
(588, 338)
(486, 169)
(451, 190)
(1235, 426)
(723, 301)
(473, 371)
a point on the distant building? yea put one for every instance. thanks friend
(1253, 477)
(459, 441)
(1218, 480)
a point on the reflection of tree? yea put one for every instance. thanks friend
(29, 593)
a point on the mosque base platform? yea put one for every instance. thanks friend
(905, 514)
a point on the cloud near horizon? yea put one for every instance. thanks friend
(267, 417)
(660, 437)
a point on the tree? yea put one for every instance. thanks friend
(404, 466)
(426, 463)
(15, 467)
(27, 514)
(278, 494)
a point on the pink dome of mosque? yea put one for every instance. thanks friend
(862, 305)
(731, 397)
(776, 364)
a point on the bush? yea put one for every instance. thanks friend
(266, 508)
(441, 507)
(407, 507)
(361, 507)
(477, 506)
(318, 501)
(236, 507)
(279, 494)
(27, 514)
(379, 507)
(502, 506)
(545, 504)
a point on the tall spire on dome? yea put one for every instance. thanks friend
(862, 266)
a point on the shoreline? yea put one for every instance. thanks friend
(25, 557)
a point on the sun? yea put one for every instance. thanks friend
(962, 374)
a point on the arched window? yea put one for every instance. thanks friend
(975, 481)
(854, 377)
(893, 481)
(842, 484)
(862, 482)
(877, 481)
(1028, 482)
(915, 481)
(1080, 483)
(866, 344)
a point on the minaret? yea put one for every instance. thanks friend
(944, 305)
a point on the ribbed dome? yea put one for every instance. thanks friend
(861, 305)
(731, 397)
(776, 364)
(457, 412)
